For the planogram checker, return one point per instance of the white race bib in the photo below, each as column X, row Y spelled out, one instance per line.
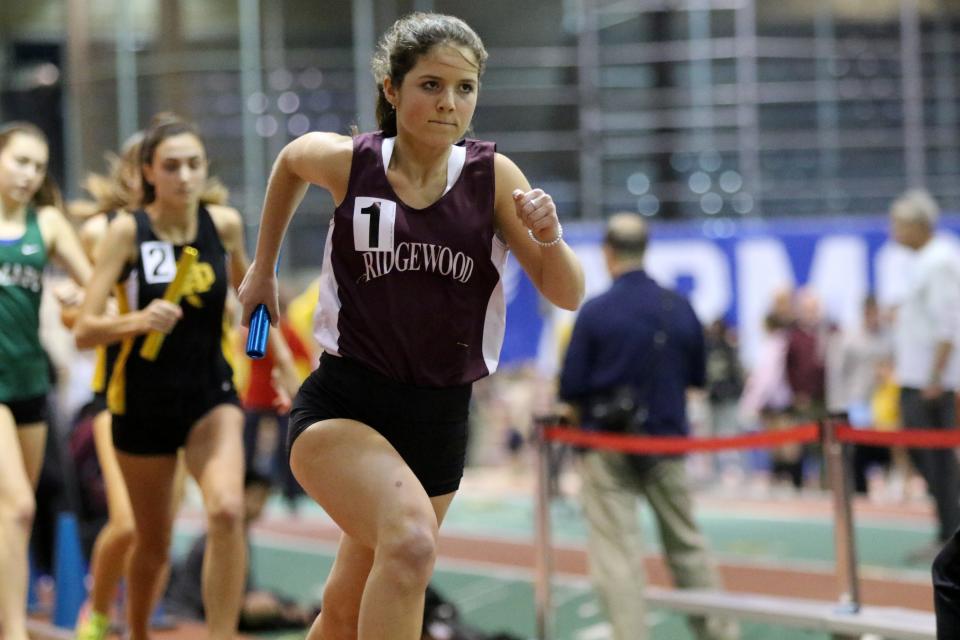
column 373, row 220
column 159, row 263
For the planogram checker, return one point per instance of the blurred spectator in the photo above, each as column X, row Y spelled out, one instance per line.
column 88, row 478
column 885, row 409
column 442, row 621
column 927, row 367
column 724, row 387
column 265, row 400
column 806, row 348
column 767, row 398
column 634, row 352
column 805, row 367
column 299, row 313
column 514, row 446
column 782, row 307
column 766, row 389
column 856, row 372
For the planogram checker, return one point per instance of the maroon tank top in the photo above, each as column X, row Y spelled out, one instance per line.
column 415, row 294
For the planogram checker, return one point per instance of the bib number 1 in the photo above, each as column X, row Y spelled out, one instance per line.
column 373, row 224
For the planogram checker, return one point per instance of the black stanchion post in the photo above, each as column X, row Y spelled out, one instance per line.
column 843, row 533
column 541, row 542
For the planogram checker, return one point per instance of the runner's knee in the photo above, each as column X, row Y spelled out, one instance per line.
column 225, row 513
column 409, row 548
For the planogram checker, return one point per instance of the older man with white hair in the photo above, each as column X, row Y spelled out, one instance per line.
column 926, row 328
column 928, row 369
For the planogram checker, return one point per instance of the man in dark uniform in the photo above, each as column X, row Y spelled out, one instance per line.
column 634, row 352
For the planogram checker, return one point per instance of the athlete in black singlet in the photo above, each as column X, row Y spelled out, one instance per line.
column 185, row 398
column 115, row 193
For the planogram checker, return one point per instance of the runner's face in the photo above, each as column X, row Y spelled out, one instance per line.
column 23, row 166
column 438, row 95
column 178, row 170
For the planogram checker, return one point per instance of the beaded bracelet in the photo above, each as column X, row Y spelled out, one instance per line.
column 553, row 242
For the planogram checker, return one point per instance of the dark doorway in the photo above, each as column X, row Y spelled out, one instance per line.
column 33, row 91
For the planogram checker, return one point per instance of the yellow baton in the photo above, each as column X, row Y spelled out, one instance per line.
column 151, row 346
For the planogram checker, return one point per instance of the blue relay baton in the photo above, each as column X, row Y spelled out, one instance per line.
column 259, row 330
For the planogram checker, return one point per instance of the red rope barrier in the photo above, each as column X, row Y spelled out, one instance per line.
column 680, row 444
column 920, row 438
column 611, row 441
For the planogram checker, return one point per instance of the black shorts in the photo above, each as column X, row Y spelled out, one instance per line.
column 165, row 418
column 28, row 410
column 427, row 426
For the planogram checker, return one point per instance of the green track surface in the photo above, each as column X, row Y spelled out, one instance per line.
column 495, row 600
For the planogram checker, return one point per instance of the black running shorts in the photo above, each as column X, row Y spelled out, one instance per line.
column 427, row 426
column 165, row 418
column 28, row 410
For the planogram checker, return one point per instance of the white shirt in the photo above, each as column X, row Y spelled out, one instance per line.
column 929, row 314
column 767, row 387
column 853, row 367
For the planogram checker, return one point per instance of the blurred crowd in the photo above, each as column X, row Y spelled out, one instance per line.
column 807, row 368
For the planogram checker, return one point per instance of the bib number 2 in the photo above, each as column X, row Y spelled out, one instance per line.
column 159, row 263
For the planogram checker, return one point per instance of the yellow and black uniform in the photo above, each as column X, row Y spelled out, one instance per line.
column 107, row 355
column 155, row 404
